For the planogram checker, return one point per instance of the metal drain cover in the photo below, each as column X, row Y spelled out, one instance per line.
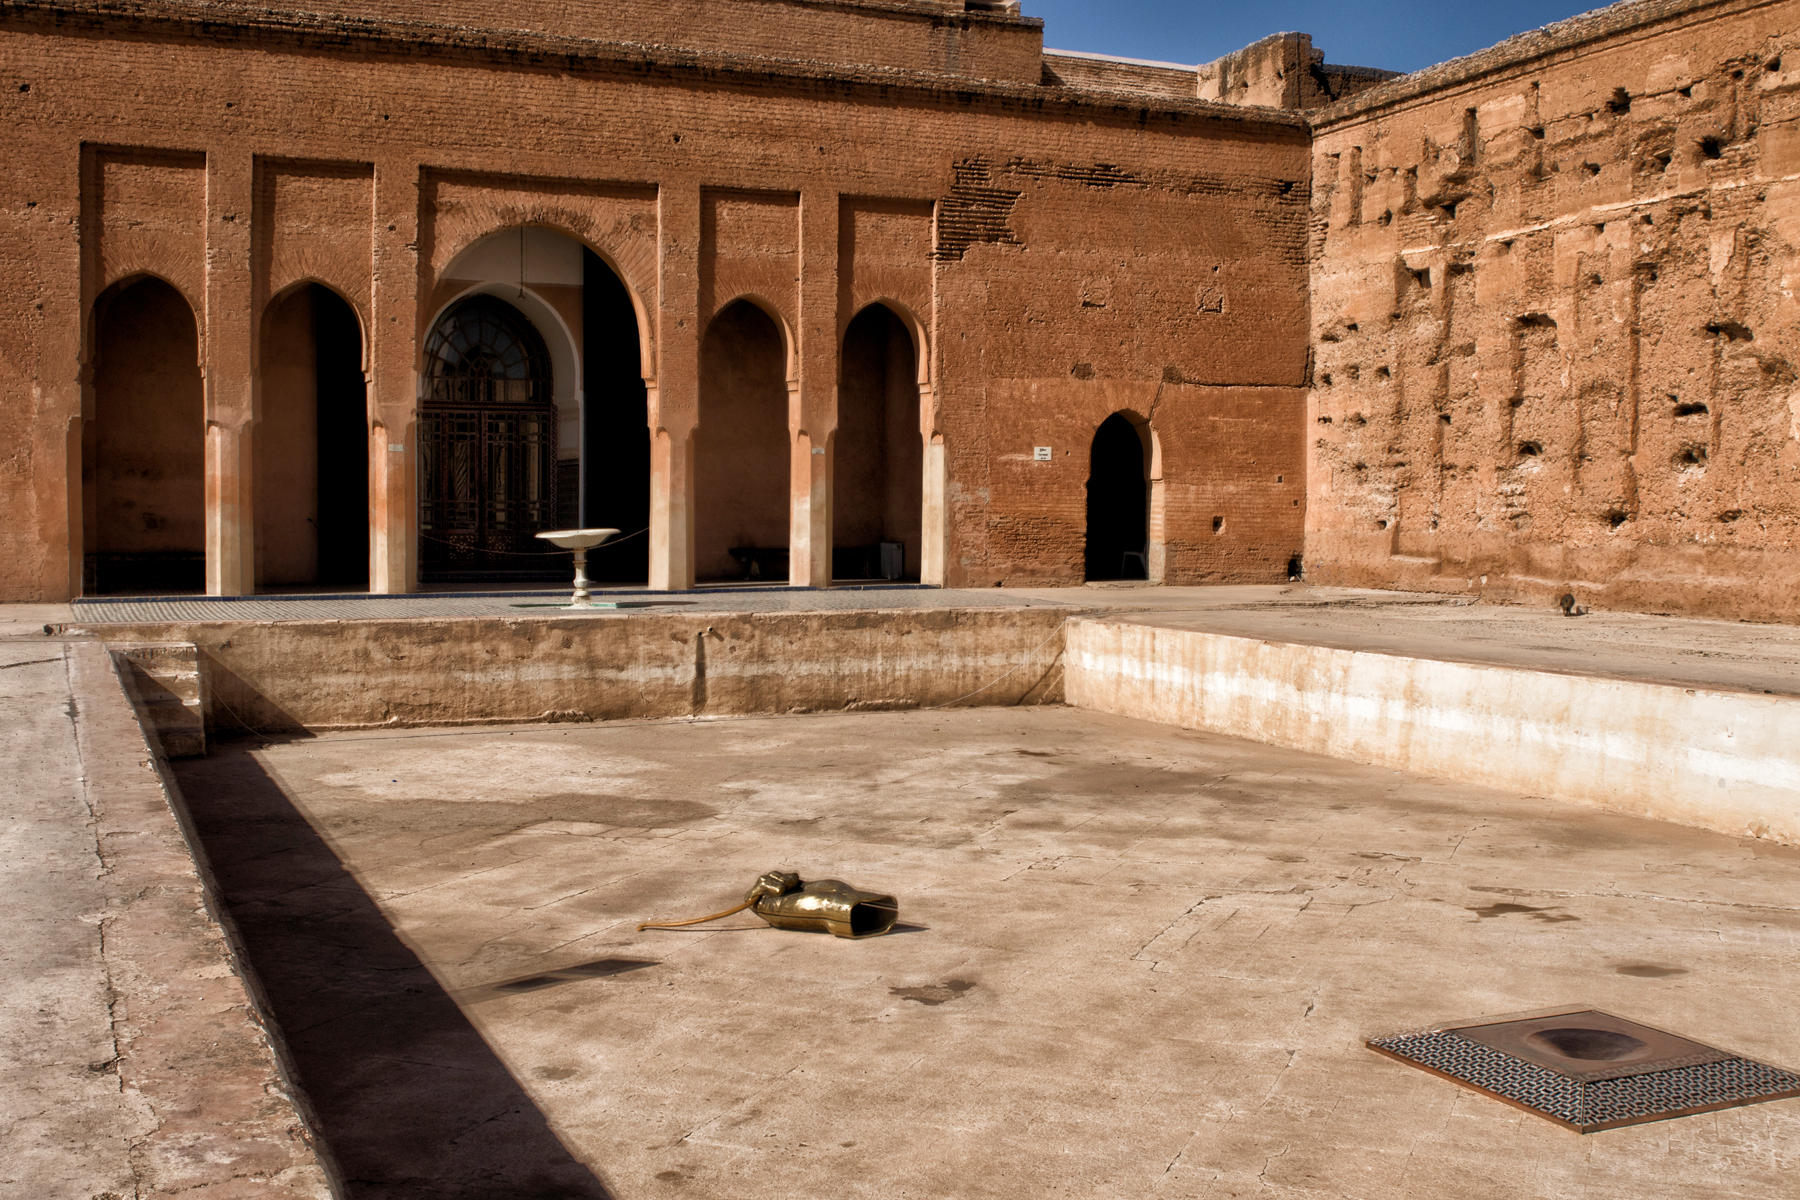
column 1588, row 1069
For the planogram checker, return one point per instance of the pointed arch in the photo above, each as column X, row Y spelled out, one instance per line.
column 311, row 445
column 741, row 447
column 878, row 451
column 144, row 442
column 1124, row 537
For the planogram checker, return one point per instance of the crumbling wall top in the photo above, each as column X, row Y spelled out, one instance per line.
column 1527, row 48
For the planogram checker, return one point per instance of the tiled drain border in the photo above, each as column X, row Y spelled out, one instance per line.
column 1663, row 1076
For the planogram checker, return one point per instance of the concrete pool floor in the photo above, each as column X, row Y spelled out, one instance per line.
column 1135, row 961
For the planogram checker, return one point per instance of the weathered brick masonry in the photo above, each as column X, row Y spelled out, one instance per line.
column 843, row 271
column 1058, row 255
column 1554, row 320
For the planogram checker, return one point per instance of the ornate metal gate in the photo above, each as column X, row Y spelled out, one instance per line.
column 487, row 443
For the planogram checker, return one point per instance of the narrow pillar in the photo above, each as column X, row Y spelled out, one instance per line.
column 934, row 491
column 812, row 399
column 228, row 367
column 671, row 505
column 393, row 381
column 673, row 396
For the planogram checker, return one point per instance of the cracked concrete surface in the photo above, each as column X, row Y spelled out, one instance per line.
column 131, row 1065
column 1132, row 961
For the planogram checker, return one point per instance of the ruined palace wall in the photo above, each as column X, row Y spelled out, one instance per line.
column 1060, row 259
column 919, row 35
column 1556, row 343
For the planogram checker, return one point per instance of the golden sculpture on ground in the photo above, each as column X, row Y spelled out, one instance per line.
column 786, row 901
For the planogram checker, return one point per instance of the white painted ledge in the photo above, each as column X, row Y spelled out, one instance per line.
column 1724, row 761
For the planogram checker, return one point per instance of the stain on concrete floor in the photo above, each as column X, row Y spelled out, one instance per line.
column 1145, row 966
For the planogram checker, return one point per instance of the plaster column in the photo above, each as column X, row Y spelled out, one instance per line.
column 393, row 380
column 933, row 495
column 228, row 366
column 673, row 396
column 812, row 405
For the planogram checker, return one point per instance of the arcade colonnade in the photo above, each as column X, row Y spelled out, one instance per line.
column 773, row 390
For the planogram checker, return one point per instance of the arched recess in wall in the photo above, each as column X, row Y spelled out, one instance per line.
column 878, row 455
column 588, row 320
column 1119, row 500
column 144, row 446
column 741, row 448
column 312, row 443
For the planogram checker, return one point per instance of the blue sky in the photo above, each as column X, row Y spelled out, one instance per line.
column 1401, row 35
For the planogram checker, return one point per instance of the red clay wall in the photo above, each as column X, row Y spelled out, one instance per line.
column 1059, row 257
column 1557, row 346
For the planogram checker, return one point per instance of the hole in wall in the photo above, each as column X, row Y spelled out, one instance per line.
column 1422, row 278
column 1386, row 217
column 1537, row 131
column 1218, row 524
column 1711, row 147
column 1732, row 331
column 1616, row 517
column 1530, row 449
column 1661, row 160
column 1773, row 65
column 1383, row 373
column 1444, row 417
column 1689, row 457
column 1689, row 408
column 1592, row 168
column 1325, row 379
column 1730, row 515
column 1619, row 101
column 1294, row 568
column 1358, row 419
column 1382, row 523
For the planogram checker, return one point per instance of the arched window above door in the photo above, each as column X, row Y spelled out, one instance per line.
column 483, row 351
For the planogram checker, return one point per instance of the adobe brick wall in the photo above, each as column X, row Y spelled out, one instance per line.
column 1061, row 254
column 1553, row 316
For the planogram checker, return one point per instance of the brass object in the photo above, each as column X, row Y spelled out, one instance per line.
column 786, row 901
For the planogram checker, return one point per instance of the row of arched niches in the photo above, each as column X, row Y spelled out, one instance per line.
column 531, row 416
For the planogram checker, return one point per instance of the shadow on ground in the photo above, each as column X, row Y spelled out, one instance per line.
column 407, row 1097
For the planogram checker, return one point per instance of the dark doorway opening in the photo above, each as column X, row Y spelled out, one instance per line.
column 878, row 455
column 144, row 449
column 615, row 451
column 312, row 444
column 1118, row 502
column 487, row 448
column 741, row 449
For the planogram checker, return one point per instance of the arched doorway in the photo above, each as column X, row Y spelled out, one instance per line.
column 579, row 306
column 615, row 428
column 741, row 448
column 145, row 447
column 1118, row 502
column 879, row 456
column 487, row 444
column 312, row 444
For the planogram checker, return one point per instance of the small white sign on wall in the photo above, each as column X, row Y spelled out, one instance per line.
column 1040, row 453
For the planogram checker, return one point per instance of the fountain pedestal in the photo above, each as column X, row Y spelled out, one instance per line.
column 580, row 541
